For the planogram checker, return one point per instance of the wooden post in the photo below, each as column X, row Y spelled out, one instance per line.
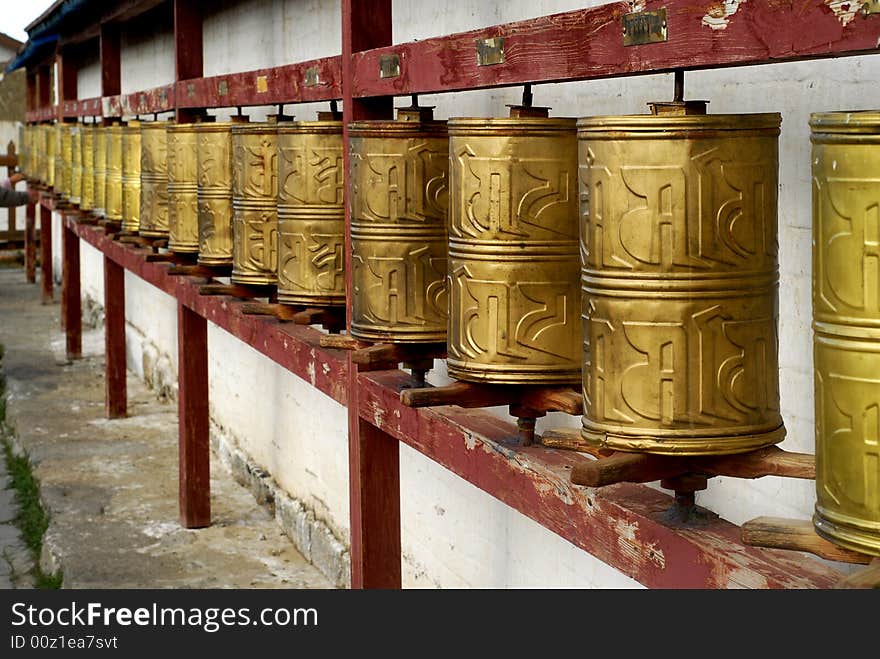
column 188, row 59
column 116, row 393
column 73, row 305
column 373, row 455
column 46, row 275
column 12, row 161
column 111, row 63
column 30, row 243
column 194, row 428
column 64, row 274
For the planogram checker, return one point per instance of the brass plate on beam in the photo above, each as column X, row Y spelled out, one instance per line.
column 222, row 88
column 190, row 90
column 644, row 27
column 389, row 66
column 262, row 84
column 871, row 7
column 490, row 51
column 312, row 77
column 163, row 98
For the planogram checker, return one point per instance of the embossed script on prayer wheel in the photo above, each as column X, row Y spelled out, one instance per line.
column 254, row 203
column 100, row 170
column 154, row 180
column 846, row 323
column 183, row 189
column 113, row 180
column 680, row 278
column 76, row 170
column 53, row 149
column 215, row 192
column 514, row 272
column 311, row 215
column 87, row 194
column 63, row 177
column 399, row 198
column 131, row 176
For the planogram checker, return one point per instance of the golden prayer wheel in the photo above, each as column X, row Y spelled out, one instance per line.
column 680, row 281
column 131, row 176
column 399, row 198
column 183, row 189
column 52, row 151
column 113, row 178
column 154, row 179
column 514, row 271
column 63, row 146
column 214, row 154
column 255, row 203
column 76, row 169
column 846, row 323
column 311, row 215
column 87, row 195
column 47, row 152
column 100, row 170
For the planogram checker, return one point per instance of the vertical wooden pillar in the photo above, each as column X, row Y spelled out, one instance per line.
column 46, row 274
column 30, row 243
column 73, row 305
column 373, row 456
column 188, row 57
column 111, row 62
column 65, row 272
column 192, row 397
column 67, row 77
column 116, row 393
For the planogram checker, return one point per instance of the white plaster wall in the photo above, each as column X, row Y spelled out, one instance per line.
column 298, row 434
column 91, row 271
column 151, row 329
column 88, row 77
column 147, row 54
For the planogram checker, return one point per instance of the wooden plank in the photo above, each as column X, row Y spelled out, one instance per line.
column 797, row 535
column 588, row 43
column 73, row 306
column 625, row 525
column 116, row 390
column 158, row 99
column 46, row 275
column 30, row 243
column 193, row 419
column 281, row 84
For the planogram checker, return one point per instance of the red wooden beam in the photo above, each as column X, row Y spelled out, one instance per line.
column 588, row 43
column 193, row 419
column 187, row 47
column 116, row 392
column 87, row 107
column 373, row 457
column 30, row 243
column 622, row 525
column 315, row 80
column 46, row 275
column 158, row 99
column 73, row 303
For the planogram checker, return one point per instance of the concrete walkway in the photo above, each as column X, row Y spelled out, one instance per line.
column 110, row 487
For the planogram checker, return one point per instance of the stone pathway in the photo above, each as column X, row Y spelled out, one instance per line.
column 15, row 559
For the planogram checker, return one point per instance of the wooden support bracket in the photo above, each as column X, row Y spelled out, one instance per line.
column 342, row 342
column 237, row 290
column 798, row 535
column 191, row 269
column 395, row 353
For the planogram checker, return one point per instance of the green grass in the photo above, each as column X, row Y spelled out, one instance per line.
column 31, row 520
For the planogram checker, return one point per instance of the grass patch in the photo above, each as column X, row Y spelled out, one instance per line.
column 31, row 520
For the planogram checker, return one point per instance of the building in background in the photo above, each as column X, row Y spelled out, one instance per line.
column 13, row 87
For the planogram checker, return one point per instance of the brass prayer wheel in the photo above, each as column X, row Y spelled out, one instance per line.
column 154, row 179
column 311, row 215
column 183, row 189
column 76, row 170
column 100, row 169
column 680, row 281
column 255, row 203
column 514, row 272
column 113, row 179
column 214, row 154
column 87, row 195
column 63, row 145
column 131, row 176
column 52, row 151
column 399, row 198
column 846, row 324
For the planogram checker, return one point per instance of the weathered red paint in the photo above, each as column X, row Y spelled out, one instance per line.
column 73, row 302
column 89, row 107
column 280, row 84
column 46, row 276
column 188, row 56
column 116, row 390
column 30, row 243
column 588, row 43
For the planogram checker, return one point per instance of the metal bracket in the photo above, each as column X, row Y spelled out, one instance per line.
column 312, row 78
column 262, row 84
column 644, row 27
column 490, row 51
column 222, row 88
column 389, row 66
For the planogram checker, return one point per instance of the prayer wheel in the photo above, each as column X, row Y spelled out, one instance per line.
column 214, row 154
column 846, row 324
column 87, row 186
column 311, row 214
column 183, row 189
column 399, row 199
column 131, row 176
column 680, row 280
column 100, row 169
column 154, row 180
column 514, row 271
column 113, row 179
column 76, row 169
column 255, row 203
column 52, row 151
column 63, row 145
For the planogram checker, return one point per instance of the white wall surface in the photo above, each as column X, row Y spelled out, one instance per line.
column 453, row 534
column 147, row 54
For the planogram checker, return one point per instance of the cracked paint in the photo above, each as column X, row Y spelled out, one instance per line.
column 638, row 5
column 845, row 10
column 310, row 369
column 718, row 16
